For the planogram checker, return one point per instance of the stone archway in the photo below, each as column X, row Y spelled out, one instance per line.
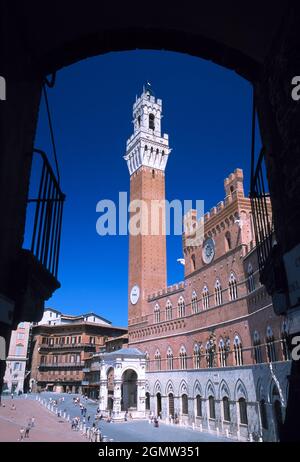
column 129, row 390
column 158, row 404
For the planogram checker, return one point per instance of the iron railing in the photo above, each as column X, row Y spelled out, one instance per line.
column 45, row 243
column 261, row 212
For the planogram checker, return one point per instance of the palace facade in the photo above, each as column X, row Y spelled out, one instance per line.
column 215, row 353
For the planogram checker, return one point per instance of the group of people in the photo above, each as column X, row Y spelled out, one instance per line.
column 153, row 419
column 24, row 431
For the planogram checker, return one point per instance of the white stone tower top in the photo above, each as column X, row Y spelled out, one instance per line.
column 146, row 147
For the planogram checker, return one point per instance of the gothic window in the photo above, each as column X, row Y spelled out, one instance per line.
column 193, row 262
column 205, row 298
column 168, row 311
column 195, row 306
column 226, row 409
column 147, row 401
column 284, row 343
column 170, row 359
column 232, row 287
column 263, row 414
column 198, row 406
column 197, row 356
column 157, row 358
column 218, row 293
column 227, row 241
column 238, row 351
column 181, row 307
column 243, row 411
column 184, row 404
column 212, row 407
column 251, row 280
column 223, row 353
column 139, row 120
column 147, row 359
column 183, row 358
column 257, row 348
column 271, row 349
column 156, row 313
column 151, row 121
column 210, row 354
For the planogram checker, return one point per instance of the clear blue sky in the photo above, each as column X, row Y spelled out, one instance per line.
column 207, row 114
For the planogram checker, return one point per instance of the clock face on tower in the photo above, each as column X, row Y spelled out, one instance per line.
column 208, row 251
column 134, row 294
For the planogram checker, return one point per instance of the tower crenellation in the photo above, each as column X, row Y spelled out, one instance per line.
column 147, row 146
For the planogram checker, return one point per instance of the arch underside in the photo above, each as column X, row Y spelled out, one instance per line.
column 236, row 35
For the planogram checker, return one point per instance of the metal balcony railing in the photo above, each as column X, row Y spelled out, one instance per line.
column 261, row 212
column 45, row 243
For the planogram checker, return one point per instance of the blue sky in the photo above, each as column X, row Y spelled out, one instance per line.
column 207, row 114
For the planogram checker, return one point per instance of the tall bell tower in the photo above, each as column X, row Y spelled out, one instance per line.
column 147, row 153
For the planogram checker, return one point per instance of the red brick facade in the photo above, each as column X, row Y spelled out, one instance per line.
column 212, row 317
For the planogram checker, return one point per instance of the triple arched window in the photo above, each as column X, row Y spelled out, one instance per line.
column 168, row 311
column 218, row 293
column 233, row 294
column 195, row 306
column 238, row 351
column 257, row 348
column 251, row 280
column 156, row 313
column 271, row 349
column 183, row 358
column 157, row 358
column 197, row 356
column 205, row 298
column 181, row 307
column 170, row 359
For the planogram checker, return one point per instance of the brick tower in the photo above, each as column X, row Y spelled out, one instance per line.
column 147, row 154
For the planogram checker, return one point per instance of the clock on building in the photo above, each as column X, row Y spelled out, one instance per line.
column 208, row 251
column 134, row 294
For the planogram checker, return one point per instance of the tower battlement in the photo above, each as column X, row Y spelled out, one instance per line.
column 147, row 146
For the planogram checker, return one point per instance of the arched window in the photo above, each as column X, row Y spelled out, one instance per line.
column 238, row 352
column 197, row 356
column 223, row 347
column 139, row 120
column 232, row 287
column 251, row 280
column 227, row 241
column 183, row 358
column 181, row 307
column 198, row 406
column 156, row 313
column 218, row 293
column 168, row 311
column 257, row 348
column 184, row 404
column 243, row 411
column 210, row 354
column 284, row 342
column 212, row 407
column 170, row 359
column 147, row 401
column 226, row 409
column 151, row 121
column 271, row 349
column 205, row 298
column 147, row 360
column 263, row 414
column 195, row 307
column 157, row 358
column 193, row 262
